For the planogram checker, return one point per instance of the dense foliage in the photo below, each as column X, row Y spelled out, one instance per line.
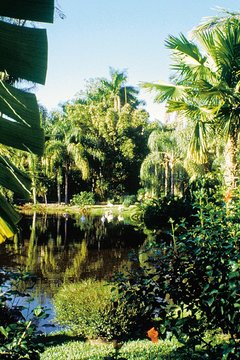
column 18, row 323
column 191, row 284
column 92, row 314
column 204, row 88
column 84, row 198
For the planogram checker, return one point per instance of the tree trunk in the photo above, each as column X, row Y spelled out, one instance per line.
column 59, row 192
column 166, row 178
column 59, row 183
column 172, row 178
column 125, row 95
column 231, row 165
column 34, row 192
column 66, row 185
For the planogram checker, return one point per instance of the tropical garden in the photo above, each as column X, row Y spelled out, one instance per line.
column 177, row 181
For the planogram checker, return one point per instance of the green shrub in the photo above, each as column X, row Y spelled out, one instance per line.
column 123, row 323
column 129, row 200
column 87, row 308
column 192, row 284
column 82, row 199
column 157, row 213
column 80, row 306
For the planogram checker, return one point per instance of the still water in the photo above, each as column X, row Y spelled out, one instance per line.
column 62, row 249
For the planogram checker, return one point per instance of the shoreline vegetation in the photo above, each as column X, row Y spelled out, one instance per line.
column 92, row 210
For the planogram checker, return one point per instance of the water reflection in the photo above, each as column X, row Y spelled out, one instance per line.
column 60, row 249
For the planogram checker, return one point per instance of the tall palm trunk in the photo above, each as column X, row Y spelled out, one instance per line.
column 59, row 183
column 166, row 185
column 34, row 192
column 172, row 178
column 59, row 192
column 33, row 175
column 66, row 184
column 231, row 164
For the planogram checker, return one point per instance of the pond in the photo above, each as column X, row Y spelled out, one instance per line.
column 62, row 249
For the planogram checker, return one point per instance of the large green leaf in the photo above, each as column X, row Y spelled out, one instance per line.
column 186, row 49
column 166, row 91
column 35, row 10
column 23, row 52
column 8, row 214
column 21, row 137
column 13, row 178
column 19, row 105
column 23, row 56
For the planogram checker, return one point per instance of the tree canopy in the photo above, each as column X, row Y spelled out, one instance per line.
column 205, row 88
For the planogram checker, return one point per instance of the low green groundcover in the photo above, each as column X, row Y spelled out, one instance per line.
column 134, row 350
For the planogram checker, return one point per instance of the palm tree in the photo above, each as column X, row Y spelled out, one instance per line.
column 205, row 88
column 114, row 92
column 163, row 167
column 24, row 57
column 52, row 162
column 64, row 151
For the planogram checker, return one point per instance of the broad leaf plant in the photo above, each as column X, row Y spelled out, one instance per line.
column 23, row 57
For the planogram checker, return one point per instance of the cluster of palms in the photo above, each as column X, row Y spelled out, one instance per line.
column 205, row 88
column 96, row 142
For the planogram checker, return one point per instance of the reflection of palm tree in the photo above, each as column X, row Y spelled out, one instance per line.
column 75, row 269
column 32, row 256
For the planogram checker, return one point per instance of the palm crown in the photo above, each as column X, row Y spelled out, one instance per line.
column 205, row 86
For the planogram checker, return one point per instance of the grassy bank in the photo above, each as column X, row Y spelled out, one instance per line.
column 93, row 210
column 132, row 350
column 69, row 348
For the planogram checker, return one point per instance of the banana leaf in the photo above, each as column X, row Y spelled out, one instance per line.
column 21, row 137
column 13, row 178
column 19, row 105
column 34, row 10
column 23, row 56
column 23, row 52
column 5, row 231
column 9, row 215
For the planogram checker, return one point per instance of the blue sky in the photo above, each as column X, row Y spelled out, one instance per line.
column 126, row 34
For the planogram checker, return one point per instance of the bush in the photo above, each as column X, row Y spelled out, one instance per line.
column 157, row 213
column 80, row 306
column 87, row 308
column 82, row 199
column 191, row 284
column 129, row 200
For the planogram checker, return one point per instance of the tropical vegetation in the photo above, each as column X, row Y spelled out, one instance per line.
column 24, row 58
column 205, row 89
column 182, row 284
